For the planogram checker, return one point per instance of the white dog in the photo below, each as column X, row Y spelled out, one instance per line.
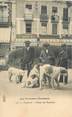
column 17, row 73
column 33, row 78
column 52, row 72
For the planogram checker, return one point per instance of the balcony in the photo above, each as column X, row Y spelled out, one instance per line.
column 4, row 22
column 28, row 16
column 26, row 36
column 54, row 18
column 43, row 18
column 49, row 36
column 66, row 36
column 21, row 38
column 66, row 20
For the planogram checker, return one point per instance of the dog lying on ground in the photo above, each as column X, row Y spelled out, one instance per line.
column 53, row 74
column 33, row 79
column 17, row 73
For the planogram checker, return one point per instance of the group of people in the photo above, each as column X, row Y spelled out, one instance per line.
column 44, row 69
column 44, row 58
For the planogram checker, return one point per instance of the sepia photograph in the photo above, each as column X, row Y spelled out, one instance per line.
column 35, row 58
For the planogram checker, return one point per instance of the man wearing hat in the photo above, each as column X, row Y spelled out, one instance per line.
column 28, row 54
column 45, row 55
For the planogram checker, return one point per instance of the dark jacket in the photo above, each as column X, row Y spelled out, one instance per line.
column 46, row 56
column 63, row 58
column 28, row 55
column 27, row 58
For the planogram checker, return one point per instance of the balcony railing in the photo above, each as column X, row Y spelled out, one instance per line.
column 66, row 36
column 44, row 18
column 66, row 20
column 54, row 19
column 26, row 36
column 28, row 16
column 49, row 36
column 4, row 22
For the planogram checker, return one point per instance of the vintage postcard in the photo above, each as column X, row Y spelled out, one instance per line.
column 35, row 58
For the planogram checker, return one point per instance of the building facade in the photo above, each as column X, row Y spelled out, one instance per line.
column 7, row 25
column 40, row 21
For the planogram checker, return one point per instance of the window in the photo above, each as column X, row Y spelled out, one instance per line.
column 43, row 9
column 44, row 27
column 3, row 14
column 44, row 24
column 28, row 27
column 54, row 9
column 65, row 13
column 65, row 25
column 29, row 6
column 53, row 17
column 54, row 28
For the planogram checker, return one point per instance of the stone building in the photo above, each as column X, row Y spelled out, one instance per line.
column 40, row 21
column 7, row 25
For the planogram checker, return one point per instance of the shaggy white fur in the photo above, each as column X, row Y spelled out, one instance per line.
column 51, row 71
column 15, row 72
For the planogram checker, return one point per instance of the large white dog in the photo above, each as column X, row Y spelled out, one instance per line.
column 52, row 72
column 39, row 72
column 17, row 73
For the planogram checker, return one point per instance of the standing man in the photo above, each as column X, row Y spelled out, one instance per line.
column 28, row 55
column 46, row 55
column 63, row 62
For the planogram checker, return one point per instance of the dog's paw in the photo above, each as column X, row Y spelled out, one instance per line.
column 23, row 85
column 58, row 87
